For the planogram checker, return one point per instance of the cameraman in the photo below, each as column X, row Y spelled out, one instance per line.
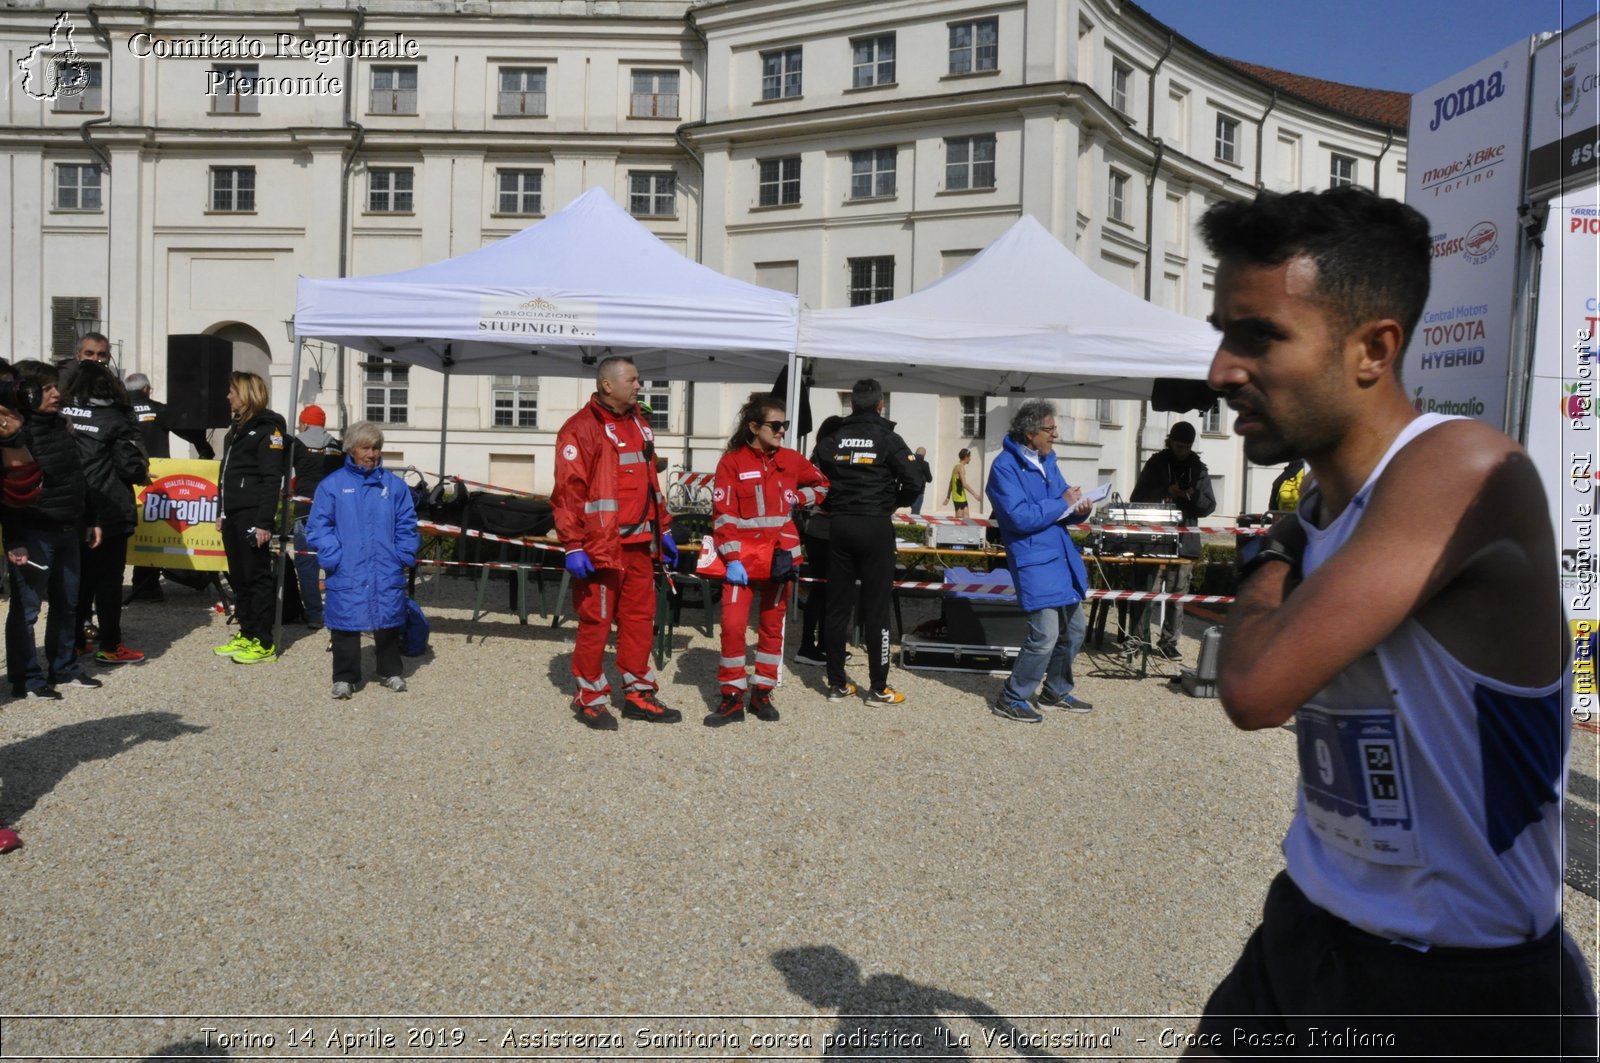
column 42, row 548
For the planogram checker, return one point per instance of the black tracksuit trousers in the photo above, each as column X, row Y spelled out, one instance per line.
column 860, row 548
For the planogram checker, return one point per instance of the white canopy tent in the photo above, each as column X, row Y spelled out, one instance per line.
column 1024, row 316
column 543, row 301
column 553, row 300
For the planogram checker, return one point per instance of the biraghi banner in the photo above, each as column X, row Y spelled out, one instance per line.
column 177, row 517
column 1464, row 172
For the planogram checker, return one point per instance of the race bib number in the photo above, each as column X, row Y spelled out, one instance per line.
column 1353, row 775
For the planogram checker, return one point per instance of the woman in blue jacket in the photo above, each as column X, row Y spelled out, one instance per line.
column 363, row 527
column 1032, row 504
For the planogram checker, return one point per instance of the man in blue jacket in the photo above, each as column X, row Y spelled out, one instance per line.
column 1033, row 505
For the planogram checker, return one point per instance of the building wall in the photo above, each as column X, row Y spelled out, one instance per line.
column 1077, row 89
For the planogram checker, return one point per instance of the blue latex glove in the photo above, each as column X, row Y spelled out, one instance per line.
column 669, row 549
column 737, row 575
column 579, row 565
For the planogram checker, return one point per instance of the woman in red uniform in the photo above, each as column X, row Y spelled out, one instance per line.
column 758, row 485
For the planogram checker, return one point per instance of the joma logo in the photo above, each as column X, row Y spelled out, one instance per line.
column 1472, row 95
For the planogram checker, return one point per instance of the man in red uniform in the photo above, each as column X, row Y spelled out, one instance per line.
column 612, row 519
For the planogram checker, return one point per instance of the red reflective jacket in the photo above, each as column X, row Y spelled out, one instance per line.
column 598, row 453
column 753, row 497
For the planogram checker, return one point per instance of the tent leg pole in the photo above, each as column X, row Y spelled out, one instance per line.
column 444, row 422
column 286, row 504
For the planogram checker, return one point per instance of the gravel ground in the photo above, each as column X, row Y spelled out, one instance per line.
column 204, row 839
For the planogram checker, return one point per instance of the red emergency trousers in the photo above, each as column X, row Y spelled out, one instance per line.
column 627, row 597
column 753, row 498
column 607, row 503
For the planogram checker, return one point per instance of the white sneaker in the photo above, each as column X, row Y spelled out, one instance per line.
column 395, row 683
column 342, row 691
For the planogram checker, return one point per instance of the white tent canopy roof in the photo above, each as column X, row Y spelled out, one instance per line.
column 1024, row 316
column 554, row 298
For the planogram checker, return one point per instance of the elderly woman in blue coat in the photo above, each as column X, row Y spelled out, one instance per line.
column 1032, row 503
column 363, row 527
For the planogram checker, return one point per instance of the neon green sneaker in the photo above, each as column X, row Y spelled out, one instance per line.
column 255, row 653
column 232, row 646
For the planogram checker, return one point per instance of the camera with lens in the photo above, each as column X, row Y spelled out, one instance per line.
column 20, row 396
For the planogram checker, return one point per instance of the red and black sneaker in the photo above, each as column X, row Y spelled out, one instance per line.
column 642, row 705
column 596, row 716
column 729, row 710
column 761, row 706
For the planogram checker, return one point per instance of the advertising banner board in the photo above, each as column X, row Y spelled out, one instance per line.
column 1564, row 112
column 177, row 515
column 1464, row 172
column 1561, row 421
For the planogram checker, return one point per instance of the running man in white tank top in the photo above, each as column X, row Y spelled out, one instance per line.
column 1408, row 621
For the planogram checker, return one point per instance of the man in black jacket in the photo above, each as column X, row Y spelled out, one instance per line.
column 42, row 548
column 316, row 454
column 869, row 471
column 155, row 423
column 1176, row 476
column 919, row 462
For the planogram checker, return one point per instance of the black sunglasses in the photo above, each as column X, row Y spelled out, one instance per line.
column 776, row 426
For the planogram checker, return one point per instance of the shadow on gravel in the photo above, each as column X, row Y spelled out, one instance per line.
column 887, row 1016
column 492, row 625
column 186, row 1050
column 31, row 768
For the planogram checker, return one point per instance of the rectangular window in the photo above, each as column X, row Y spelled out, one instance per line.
column 871, row 280
column 1121, row 79
column 974, row 417
column 522, row 91
column 1341, row 171
column 969, row 162
column 516, row 401
column 70, row 317
column 394, row 90
column 389, row 190
column 872, row 173
column 231, row 88
column 1227, row 139
column 872, row 61
column 653, row 195
column 974, row 46
column 1211, row 421
column 520, row 191
column 387, row 387
column 78, row 186
column 655, row 94
column 657, row 395
column 1103, row 411
column 233, row 188
column 780, row 74
column 1117, row 196
column 779, row 182
column 78, row 90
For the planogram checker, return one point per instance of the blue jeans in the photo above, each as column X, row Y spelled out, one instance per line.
column 57, row 584
column 916, row 503
column 310, row 574
column 1054, row 637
